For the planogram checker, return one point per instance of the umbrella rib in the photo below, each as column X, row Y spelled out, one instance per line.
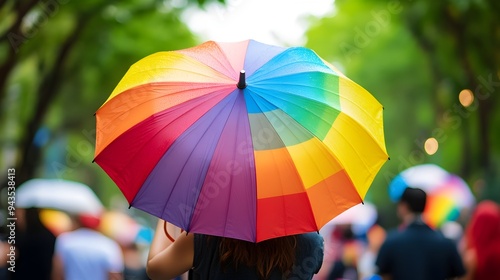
column 159, row 131
column 314, row 113
column 231, row 70
column 189, row 61
column 146, row 143
column 258, row 84
column 231, row 178
column 210, row 78
column 198, row 197
column 258, row 71
column 282, row 142
column 286, row 101
column 171, row 69
column 361, row 108
column 330, row 153
column 330, row 191
column 203, row 181
column 110, row 122
column 357, row 153
column 222, row 62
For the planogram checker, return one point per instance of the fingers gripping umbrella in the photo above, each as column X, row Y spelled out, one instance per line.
column 242, row 140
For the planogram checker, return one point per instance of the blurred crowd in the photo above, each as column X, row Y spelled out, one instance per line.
column 353, row 255
column 55, row 245
column 51, row 244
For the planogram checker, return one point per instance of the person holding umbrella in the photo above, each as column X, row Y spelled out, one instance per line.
column 211, row 257
column 248, row 147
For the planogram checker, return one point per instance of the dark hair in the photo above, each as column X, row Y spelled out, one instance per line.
column 415, row 199
column 264, row 256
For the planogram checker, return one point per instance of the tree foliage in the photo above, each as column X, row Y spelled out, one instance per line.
column 59, row 61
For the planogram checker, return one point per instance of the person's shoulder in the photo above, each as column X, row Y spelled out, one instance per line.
column 68, row 235
column 310, row 250
column 310, row 244
column 445, row 240
column 312, row 238
column 205, row 240
column 62, row 238
column 394, row 234
column 203, row 244
column 398, row 236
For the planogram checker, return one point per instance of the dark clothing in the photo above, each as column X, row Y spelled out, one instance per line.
column 308, row 260
column 135, row 273
column 35, row 249
column 342, row 271
column 419, row 253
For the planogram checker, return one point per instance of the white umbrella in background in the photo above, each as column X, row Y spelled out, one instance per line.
column 69, row 196
column 361, row 217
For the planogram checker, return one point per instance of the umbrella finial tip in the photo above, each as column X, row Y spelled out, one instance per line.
column 241, row 82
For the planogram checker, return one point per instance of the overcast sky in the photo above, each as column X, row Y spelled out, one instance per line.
column 279, row 22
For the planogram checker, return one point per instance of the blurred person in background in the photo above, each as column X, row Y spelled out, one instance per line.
column 332, row 249
column 482, row 243
column 134, row 265
column 87, row 254
column 34, row 246
column 350, row 250
column 415, row 251
column 375, row 236
column 132, row 238
column 453, row 231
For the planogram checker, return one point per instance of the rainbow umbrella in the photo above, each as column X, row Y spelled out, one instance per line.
column 242, row 140
column 447, row 194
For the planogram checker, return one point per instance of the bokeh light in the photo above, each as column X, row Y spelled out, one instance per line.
column 466, row 97
column 431, row 146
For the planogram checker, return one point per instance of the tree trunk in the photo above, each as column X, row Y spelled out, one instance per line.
column 47, row 91
column 15, row 37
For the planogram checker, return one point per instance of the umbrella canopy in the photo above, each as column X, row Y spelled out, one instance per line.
column 242, row 140
column 71, row 197
column 447, row 194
